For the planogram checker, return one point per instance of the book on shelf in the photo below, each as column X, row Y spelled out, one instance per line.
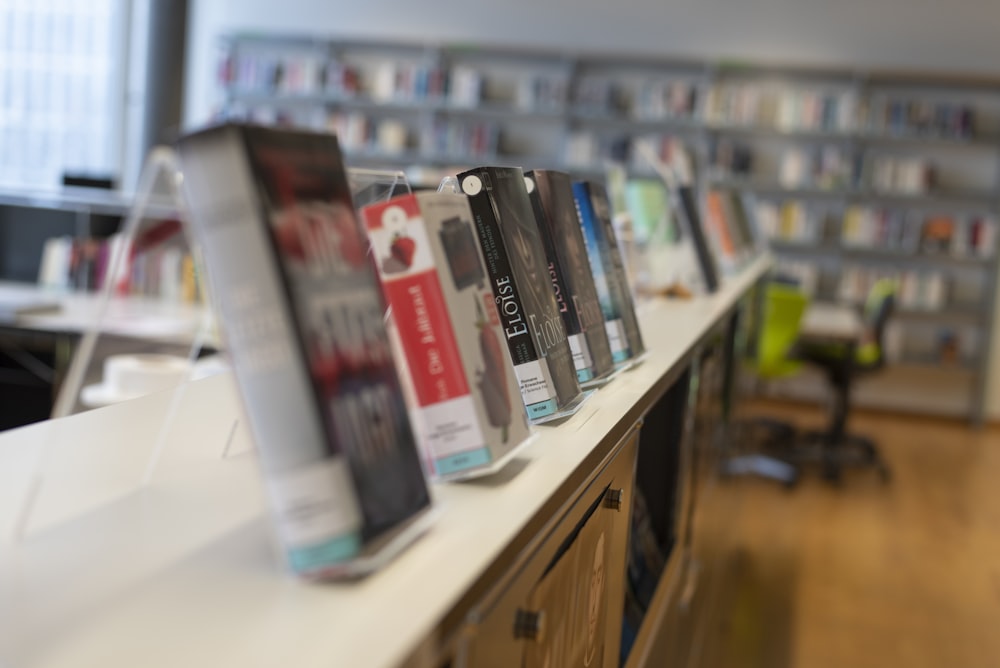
column 551, row 194
column 910, row 117
column 803, row 274
column 541, row 92
column 695, row 229
column 464, row 395
column 610, row 279
column 937, row 234
column 409, row 82
column 720, row 232
column 729, row 159
column 517, row 269
column 468, row 139
column 783, row 108
column 304, row 327
column 466, row 87
column 665, row 100
column 598, row 96
column 152, row 265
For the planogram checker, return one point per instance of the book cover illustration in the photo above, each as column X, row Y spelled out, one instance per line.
column 303, row 318
column 517, row 268
column 465, row 408
column 609, row 274
column 551, row 195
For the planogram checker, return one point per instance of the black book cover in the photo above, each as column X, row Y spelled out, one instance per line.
column 517, row 267
column 615, row 266
column 551, row 195
column 303, row 317
column 706, row 260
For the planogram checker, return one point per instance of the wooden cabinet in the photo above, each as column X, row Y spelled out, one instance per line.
column 562, row 604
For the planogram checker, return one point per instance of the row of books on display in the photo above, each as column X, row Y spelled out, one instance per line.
column 784, row 108
column 160, row 270
column 766, row 105
column 830, row 167
column 462, row 86
column 386, row 81
column 365, row 134
column 509, row 303
column 878, row 228
column 669, row 238
column 830, row 110
column 584, row 149
column 972, row 236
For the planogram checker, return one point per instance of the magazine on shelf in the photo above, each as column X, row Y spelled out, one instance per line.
column 303, row 320
column 551, row 195
column 518, row 271
column 464, row 396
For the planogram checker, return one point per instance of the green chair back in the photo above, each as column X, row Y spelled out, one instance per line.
column 878, row 308
column 781, row 320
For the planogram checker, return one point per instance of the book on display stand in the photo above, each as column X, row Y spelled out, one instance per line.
column 613, row 290
column 551, row 195
column 463, row 395
column 683, row 199
column 517, row 269
column 304, row 317
column 322, row 532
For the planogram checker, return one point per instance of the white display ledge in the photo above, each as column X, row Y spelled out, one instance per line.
column 182, row 571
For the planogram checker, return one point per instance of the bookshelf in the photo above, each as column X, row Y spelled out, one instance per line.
column 858, row 174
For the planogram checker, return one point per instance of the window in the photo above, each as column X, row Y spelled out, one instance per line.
column 61, row 89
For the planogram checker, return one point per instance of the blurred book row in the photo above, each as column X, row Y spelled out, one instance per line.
column 164, row 271
column 879, row 228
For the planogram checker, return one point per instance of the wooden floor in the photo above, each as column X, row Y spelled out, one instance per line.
column 904, row 575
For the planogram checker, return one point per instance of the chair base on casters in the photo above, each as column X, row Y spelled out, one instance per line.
column 846, row 451
column 760, row 435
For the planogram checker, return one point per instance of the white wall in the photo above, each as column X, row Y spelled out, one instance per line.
column 956, row 35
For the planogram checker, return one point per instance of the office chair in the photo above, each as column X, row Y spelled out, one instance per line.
column 834, row 447
column 765, row 443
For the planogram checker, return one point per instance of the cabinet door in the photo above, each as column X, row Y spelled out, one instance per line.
column 563, row 605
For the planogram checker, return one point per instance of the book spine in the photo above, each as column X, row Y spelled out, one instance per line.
column 572, row 252
column 609, row 307
column 313, row 499
column 618, row 280
column 535, row 380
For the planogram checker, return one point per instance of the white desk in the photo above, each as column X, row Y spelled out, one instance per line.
column 134, row 317
column 181, row 571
